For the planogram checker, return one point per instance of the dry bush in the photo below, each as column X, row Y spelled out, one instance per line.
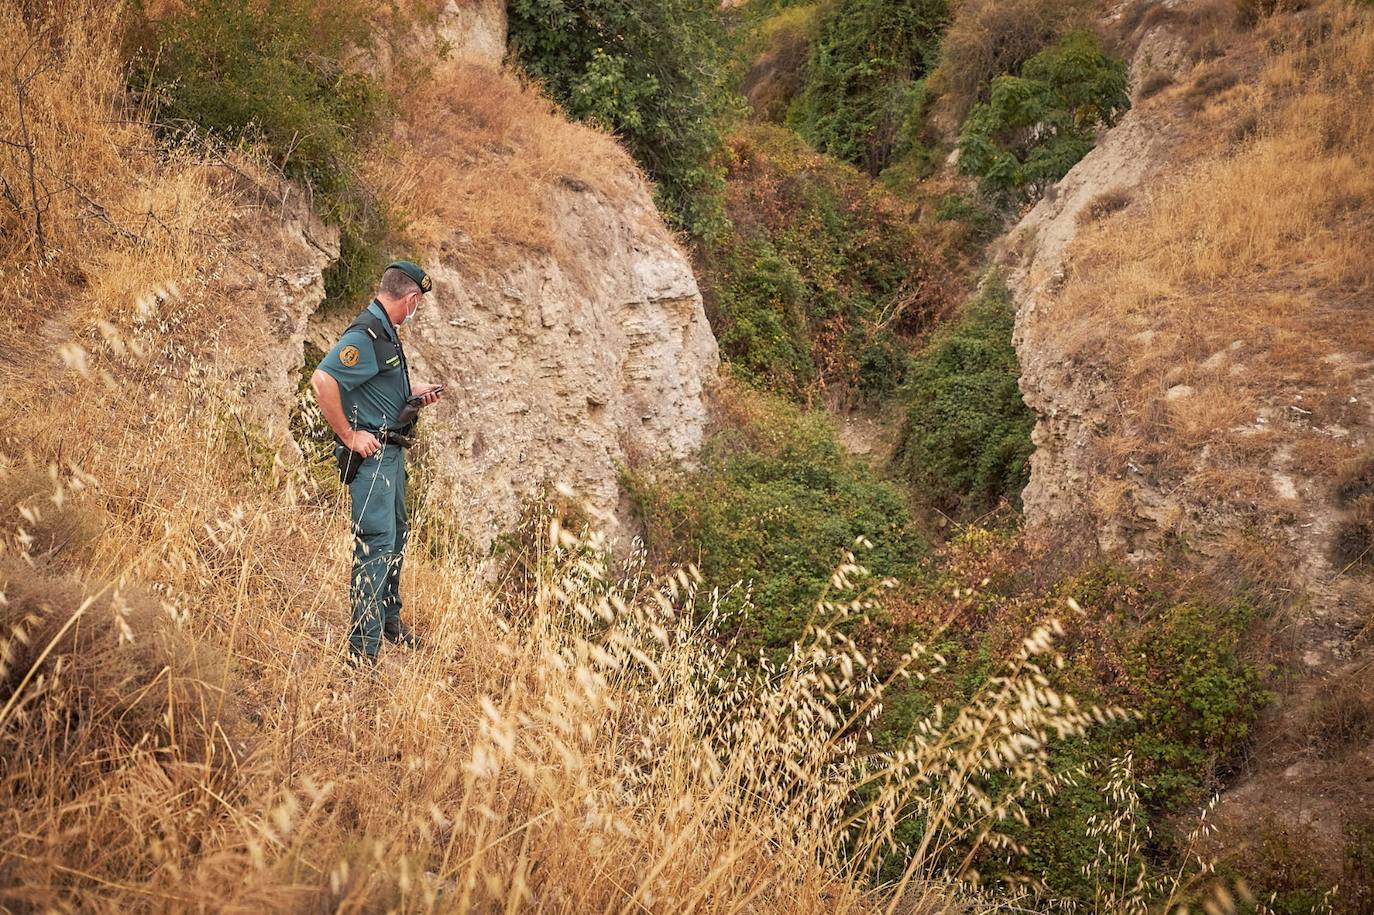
column 1242, row 279
column 1106, row 203
column 1154, row 84
column 778, row 71
column 1342, row 714
column 480, row 158
column 1210, row 84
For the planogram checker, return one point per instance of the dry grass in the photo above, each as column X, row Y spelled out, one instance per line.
column 179, row 730
column 1236, row 320
column 479, row 160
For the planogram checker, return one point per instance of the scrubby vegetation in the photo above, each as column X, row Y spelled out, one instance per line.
column 284, row 77
column 821, row 277
column 654, row 73
column 774, row 505
column 1181, row 665
column 863, row 91
column 965, row 444
column 989, row 38
column 775, row 55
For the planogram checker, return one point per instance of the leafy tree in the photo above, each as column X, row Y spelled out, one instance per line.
column 966, row 440
column 654, row 72
column 864, row 77
column 1036, row 126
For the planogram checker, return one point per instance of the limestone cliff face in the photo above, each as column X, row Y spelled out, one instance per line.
column 475, row 29
column 285, row 276
column 1170, row 426
column 1074, row 389
column 563, row 369
column 1072, row 396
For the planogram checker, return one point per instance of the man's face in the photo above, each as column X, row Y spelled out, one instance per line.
column 412, row 305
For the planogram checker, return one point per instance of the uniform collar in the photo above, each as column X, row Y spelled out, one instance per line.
column 377, row 309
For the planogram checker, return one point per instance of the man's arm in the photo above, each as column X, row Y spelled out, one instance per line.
column 326, row 388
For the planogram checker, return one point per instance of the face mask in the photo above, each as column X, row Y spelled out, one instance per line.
column 410, row 312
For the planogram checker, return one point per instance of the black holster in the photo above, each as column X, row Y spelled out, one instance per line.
column 349, row 462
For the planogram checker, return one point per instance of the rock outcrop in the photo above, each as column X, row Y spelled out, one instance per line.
column 564, row 371
column 474, row 29
column 1071, row 399
column 1218, row 416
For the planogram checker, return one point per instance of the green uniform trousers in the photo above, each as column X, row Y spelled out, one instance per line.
column 380, row 529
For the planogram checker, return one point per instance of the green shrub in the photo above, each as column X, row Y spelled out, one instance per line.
column 965, row 444
column 277, row 75
column 654, row 72
column 775, row 504
column 820, row 276
column 863, row 79
column 774, row 56
column 1199, row 697
column 1181, row 664
column 1036, row 126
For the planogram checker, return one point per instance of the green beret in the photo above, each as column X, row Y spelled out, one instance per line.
column 413, row 270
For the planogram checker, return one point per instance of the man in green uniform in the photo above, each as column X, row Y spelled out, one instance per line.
column 362, row 386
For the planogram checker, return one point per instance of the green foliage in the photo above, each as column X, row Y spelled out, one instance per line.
column 775, row 504
column 276, row 75
column 1036, row 126
column 863, row 90
column 965, row 444
column 1199, row 698
column 1181, row 664
column 654, row 72
column 820, row 276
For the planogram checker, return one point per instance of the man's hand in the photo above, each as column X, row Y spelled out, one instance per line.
column 362, row 442
column 428, row 393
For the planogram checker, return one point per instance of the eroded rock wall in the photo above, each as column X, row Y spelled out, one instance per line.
column 564, row 370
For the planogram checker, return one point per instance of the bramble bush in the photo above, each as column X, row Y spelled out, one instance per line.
column 820, row 276
column 1180, row 664
column 987, row 38
column 1036, row 126
column 965, row 444
column 277, row 76
column 863, row 78
column 656, row 73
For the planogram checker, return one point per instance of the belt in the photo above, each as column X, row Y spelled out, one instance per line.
column 396, row 437
column 403, row 437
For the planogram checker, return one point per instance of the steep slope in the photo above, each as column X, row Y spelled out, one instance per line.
column 1195, row 339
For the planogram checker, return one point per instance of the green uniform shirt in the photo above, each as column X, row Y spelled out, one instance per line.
column 372, row 394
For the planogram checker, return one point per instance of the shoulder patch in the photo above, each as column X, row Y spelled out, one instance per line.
column 349, row 356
